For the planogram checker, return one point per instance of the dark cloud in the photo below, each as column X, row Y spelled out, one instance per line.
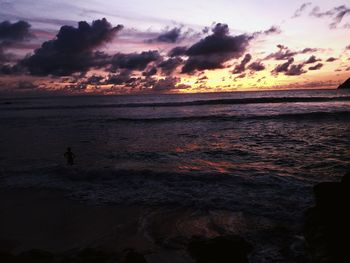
column 169, row 36
column 72, row 50
column 289, row 69
column 11, row 35
column 17, row 31
column 285, row 53
column 169, row 65
column 336, row 14
column 308, row 50
column 274, row 30
column 10, row 69
column 312, row 59
column 241, row 76
column 94, row 80
column 123, row 78
column 212, row 51
column 241, row 67
column 3, row 56
column 134, row 61
column 166, row 84
column 150, row 72
column 26, row 85
column 177, row 51
column 283, row 67
column 221, row 29
column 282, row 54
column 301, row 9
column 316, row 67
column 295, row 70
column 331, row 59
column 256, row 66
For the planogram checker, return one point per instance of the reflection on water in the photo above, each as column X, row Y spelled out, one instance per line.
column 246, row 169
column 302, row 141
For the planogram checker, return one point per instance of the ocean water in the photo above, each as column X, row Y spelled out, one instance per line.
column 252, row 153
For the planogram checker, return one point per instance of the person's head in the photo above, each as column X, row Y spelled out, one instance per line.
column 68, row 149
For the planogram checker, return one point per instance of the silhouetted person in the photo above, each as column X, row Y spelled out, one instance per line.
column 69, row 155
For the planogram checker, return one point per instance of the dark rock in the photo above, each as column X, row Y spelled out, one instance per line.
column 224, row 249
column 175, row 243
column 131, row 256
column 345, row 85
column 346, row 180
column 326, row 226
column 35, row 256
column 328, row 194
column 7, row 258
column 87, row 255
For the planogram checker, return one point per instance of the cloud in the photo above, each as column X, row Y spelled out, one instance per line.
column 134, row 61
column 241, row 76
column 295, row 70
column 215, row 49
column 123, row 78
column 3, row 56
column 166, row 84
column 12, row 34
column 10, row 69
column 177, row 51
column 152, row 71
column 26, row 85
column 312, row 59
column 316, row 67
column 221, row 29
column 301, row 9
column 169, row 36
column 17, row 31
column 241, row 67
column 283, row 67
column 336, row 14
column 256, row 66
column 169, row 65
column 94, row 80
column 331, row 59
column 285, row 53
column 72, row 50
column 274, row 30
column 289, row 69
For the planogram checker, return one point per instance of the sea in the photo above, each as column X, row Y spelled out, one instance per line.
column 248, row 157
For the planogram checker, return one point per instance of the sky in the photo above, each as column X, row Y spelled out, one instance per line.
column 130, row 47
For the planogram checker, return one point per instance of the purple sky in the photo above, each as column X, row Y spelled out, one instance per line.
column 226, row 45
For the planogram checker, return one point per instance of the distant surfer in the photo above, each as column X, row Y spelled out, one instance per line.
column 69, row 155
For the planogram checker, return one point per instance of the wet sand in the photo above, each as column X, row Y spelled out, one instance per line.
column 48, row 220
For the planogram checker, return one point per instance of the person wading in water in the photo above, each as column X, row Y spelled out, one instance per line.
column 69, row 155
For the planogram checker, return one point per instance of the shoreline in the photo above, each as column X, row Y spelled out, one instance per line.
column 49, row 220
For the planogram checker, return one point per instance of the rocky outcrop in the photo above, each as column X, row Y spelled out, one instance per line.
column 327, row 224
column 87, row 255
column 345, row 85
column 224, row 249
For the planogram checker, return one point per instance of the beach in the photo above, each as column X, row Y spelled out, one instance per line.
column 150, row 176
column 47, row 220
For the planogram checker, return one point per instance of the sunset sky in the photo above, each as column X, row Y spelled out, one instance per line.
column 155, row 46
